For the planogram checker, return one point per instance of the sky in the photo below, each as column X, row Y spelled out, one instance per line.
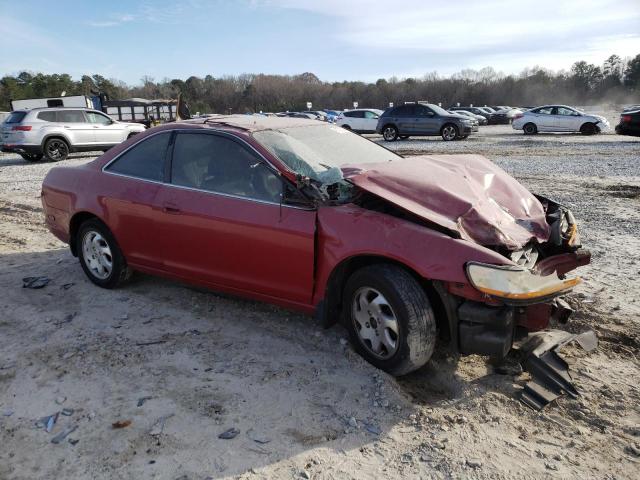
column 335, row 39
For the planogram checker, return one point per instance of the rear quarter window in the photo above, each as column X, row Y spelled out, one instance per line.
column 15, row 117
column 144, row 160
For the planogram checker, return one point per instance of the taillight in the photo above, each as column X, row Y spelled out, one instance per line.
column 625, row 118
column 518, row 115
column 21, row 128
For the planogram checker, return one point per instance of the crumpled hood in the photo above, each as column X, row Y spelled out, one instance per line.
column 467, row 194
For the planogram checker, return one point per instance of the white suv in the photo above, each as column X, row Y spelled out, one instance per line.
column 55, row 132
column 361, row 120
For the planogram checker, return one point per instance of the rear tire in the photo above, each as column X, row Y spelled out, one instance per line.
column 346, row 127
column 100, row 256
column 56, row 149
column 389, row 318
column 530, row 129
column 32, row 157
column 390, row 133
column 588, row 129
column 449, row 132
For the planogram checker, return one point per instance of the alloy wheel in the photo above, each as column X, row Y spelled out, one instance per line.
column 449, row 132
column 389, row 134
column 375, row 322
column 97, row 255
column 57, row 150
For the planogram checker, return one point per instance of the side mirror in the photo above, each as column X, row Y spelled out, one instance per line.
column 376, row 117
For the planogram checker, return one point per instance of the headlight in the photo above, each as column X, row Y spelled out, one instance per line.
column 516, row 285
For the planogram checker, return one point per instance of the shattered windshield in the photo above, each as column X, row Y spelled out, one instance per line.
column 318, row 151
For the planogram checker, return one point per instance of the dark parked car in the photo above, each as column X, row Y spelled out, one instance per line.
column 423, row 120
column 309, row 216
column 476, row 111
column 479, row 118
column 629, row 122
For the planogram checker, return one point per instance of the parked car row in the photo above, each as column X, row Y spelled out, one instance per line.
column 53, row 133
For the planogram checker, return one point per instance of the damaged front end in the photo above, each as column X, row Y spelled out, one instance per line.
column 512, row 306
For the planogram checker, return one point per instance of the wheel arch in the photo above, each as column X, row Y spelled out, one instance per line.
column 58, row 135
column 331, row 308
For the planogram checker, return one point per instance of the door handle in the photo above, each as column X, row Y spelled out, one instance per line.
column 171, row 208
column 96, row 126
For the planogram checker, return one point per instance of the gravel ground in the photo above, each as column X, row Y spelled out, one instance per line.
column 306, row 406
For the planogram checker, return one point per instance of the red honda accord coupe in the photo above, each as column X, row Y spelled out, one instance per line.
column 403, row 251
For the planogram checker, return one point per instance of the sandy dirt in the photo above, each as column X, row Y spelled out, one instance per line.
column 305, row 405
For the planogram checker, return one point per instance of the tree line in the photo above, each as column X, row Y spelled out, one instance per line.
column 616, row 81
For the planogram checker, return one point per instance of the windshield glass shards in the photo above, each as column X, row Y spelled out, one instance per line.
column 319, row 151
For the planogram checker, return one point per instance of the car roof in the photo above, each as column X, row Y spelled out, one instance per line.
column 252, row 123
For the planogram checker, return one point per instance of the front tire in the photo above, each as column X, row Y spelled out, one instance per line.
column 588, row 129
column 449, row 132
column 530, row 129
column 100, row 255
column 32, row 157
column 56, row 149
column 389, row 318
column 390, row 133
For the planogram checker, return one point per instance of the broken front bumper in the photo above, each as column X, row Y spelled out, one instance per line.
column 550, row 376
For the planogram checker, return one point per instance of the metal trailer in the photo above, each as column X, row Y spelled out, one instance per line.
column 141, row 110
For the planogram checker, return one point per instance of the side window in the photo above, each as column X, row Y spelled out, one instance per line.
column 422, row 111
column 98, row 118
column 370, row 115
column 565, row 111
column 543, row 111
column 47, row 116
column 403, row 111
column 71, row 116
column 221, row 165
column 145, row 160
column 357, row 114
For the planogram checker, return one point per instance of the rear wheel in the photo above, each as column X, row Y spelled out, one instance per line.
column 588, row 129
column 449, row 132
column 390, row 133
column 56, row 149
column 530, row 129
column 389, row 318
column 100, row 256
column 31, row 157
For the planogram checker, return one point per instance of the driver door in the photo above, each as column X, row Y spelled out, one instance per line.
column 223, row 221
column 427, row 122
column 566, row 119
column 105, row 130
